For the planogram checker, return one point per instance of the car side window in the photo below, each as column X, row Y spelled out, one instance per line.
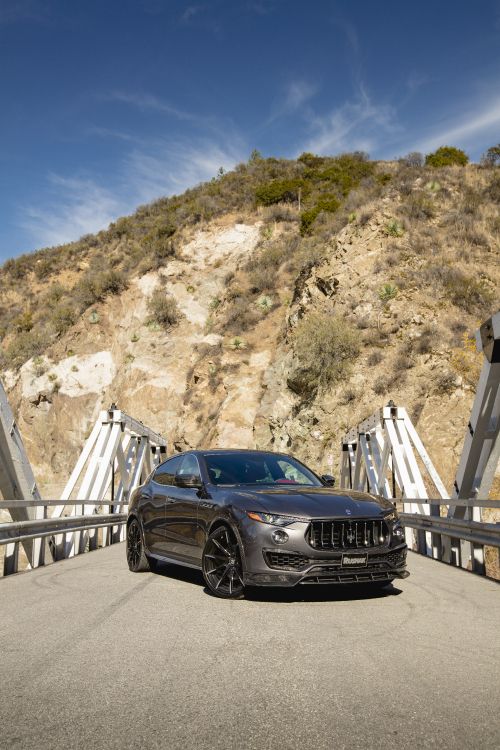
column 292, row 473
column 189, row 465
column 165, row 473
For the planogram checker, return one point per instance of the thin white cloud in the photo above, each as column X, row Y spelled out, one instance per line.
column 148, row 102
column 295, row 97
column 190, row 12
column 298, row 93
column 166, row 168
column 74, row 207
column 360, row 124
column 465, row 129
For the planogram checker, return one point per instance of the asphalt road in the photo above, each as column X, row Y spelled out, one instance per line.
column 93, row 656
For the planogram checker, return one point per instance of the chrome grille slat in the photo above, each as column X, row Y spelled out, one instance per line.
column 348, row 534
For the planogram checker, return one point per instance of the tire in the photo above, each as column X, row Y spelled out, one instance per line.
column 137, row 559
column 221, row 565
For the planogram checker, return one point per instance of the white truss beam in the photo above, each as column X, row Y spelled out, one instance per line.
column 119, row 453
column 481, row 450
column 386, row 451
column 381, row 455
column 17, row 481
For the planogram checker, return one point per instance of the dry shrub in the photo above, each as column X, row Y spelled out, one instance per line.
column 163, row 309
column 466, row 361
column 418, row 207
column 325, row 346
column 374, row 358
column 240, row 316
column 427, row 341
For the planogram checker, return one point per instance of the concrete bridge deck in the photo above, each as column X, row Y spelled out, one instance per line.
column 94, row 656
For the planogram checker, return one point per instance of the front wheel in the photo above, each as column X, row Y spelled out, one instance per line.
column 136, row 556
column 222, row 568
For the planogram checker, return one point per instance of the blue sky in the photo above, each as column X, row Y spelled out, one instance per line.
column 108, row 104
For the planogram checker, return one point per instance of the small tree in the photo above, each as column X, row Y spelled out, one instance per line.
column 492, row 157
column 413, row 159
column 447, row 156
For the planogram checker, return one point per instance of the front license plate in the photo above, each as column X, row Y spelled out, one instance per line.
column 354, row 561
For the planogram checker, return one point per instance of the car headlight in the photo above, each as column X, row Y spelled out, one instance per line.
column 273, row 519
column 398, row 530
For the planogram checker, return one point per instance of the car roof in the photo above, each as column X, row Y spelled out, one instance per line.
column 222, row 451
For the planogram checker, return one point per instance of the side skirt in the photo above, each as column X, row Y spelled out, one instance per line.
column 174, row 561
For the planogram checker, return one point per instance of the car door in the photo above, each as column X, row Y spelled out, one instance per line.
column 154, row 516
column 183, row 539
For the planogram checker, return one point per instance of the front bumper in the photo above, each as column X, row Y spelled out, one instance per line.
column 297, row 562
column 380, row 566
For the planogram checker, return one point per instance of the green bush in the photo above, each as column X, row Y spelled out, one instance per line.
column 279, row 191
column 447, row 156
column 327, row 204
column 394, row 228
column 325, row 346
column 387, row 292
column 163, row 309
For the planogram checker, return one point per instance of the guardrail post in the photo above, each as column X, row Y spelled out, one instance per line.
column 11, row 559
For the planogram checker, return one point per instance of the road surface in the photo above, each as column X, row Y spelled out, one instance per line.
column 93, row 656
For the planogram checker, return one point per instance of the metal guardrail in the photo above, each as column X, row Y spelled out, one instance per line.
column 472, row 531
column 84, row 526
column 442, row 529
column 15, row 533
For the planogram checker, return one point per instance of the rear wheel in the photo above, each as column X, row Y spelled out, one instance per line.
column 137, row 559
column 222, row 568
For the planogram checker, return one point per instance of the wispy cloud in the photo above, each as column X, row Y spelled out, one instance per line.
column 190, row 12
column 295, row 97
column 151, row 103
column 73, row 207
column 465, row 128
column 172, row 167
column 360, row 124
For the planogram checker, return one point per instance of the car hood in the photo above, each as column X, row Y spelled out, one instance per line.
column 313, row 502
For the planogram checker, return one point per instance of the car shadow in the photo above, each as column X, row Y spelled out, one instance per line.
column 321, row 592
column 301, row 593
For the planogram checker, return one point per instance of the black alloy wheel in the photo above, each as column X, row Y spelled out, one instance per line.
column 222, row 568
column 136, row 557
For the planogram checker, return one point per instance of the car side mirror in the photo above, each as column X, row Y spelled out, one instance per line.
column 328, row 480
column 192, row 481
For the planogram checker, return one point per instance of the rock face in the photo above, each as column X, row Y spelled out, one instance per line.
column 200, row 385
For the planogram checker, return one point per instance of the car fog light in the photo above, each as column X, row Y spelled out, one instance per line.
column 279, row 536
column 398, row 532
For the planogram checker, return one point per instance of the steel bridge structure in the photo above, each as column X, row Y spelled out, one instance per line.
column 93, row 656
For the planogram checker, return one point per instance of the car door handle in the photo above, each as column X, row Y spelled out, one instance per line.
column 169, row 500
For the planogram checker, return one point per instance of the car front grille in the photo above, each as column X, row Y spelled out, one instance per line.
column 347, row 534
column 286, row 560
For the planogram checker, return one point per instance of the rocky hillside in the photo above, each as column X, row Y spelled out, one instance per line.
column 274, row 307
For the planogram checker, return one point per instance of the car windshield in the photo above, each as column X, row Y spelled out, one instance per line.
column 257, row 468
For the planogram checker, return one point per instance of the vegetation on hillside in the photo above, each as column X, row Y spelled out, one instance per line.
column 303, row 204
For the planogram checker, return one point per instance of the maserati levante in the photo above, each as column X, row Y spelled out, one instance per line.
column 255, row 518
